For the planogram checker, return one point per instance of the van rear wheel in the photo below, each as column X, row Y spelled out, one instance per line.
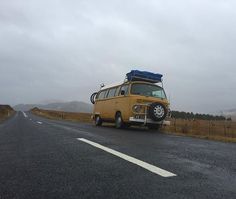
column 98, row 121
column 119, row 121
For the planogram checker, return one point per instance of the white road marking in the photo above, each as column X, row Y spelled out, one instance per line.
column 128, row 158
column 24, row 114
column 39, row 122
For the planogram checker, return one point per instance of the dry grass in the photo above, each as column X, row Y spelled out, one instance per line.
column 214, row 130
column 6, row 111
column 61, row 115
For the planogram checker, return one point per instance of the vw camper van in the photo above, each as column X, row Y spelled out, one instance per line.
column 139, row 100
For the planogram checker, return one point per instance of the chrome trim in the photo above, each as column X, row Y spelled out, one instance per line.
column 149, row 121
column 144, row 121
column 145, row 117
column 145, row 106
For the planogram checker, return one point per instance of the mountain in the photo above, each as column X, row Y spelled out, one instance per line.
column 74, row 106
column 25, row 107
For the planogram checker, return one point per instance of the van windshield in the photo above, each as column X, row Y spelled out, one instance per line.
column 148, row 90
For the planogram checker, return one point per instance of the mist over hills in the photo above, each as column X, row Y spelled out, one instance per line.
column 83, row 107
column 73, row 106
column 230, row 113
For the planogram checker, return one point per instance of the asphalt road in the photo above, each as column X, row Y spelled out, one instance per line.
column 41, row 158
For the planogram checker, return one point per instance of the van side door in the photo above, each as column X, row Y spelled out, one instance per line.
column 109, row 104
column 122, row 102
column 99, row 104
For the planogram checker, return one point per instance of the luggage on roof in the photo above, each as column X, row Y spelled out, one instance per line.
column 136, row 75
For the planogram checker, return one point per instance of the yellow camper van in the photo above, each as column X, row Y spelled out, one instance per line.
column 139, row 100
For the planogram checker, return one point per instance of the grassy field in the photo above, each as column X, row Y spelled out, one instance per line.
column 216, row 130
column 60, row 115
column 5, row 112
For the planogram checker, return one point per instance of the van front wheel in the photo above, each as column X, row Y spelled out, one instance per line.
column 98, row 121
column 119, row 121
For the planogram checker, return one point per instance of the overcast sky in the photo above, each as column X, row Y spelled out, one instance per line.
column 62, row 50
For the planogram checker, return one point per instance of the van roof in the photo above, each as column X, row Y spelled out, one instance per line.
column 120, row 83
column 112, row 85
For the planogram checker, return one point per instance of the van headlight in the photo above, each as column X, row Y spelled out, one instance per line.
column 137, row 108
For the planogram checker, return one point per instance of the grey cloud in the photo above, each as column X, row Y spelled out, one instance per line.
column 64, row 49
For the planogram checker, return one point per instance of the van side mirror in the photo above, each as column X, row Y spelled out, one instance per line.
column 122, row 92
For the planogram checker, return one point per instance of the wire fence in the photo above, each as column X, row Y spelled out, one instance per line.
column 71, row 116
column 202, row 127
column 205, row 128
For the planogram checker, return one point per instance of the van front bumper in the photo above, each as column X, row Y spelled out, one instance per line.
column 148, row 121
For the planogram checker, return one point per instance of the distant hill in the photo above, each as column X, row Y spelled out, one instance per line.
column 5, row 107
column 5, row 111
column 74, row 106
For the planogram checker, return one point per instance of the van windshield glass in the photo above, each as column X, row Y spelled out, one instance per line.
column 148, row 90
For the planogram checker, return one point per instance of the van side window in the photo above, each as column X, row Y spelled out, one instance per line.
column 111, row 92
column 117, row 91
column 124, row 88
column 102, row 94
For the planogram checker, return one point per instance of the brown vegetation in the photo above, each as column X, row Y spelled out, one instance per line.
column 6, row 111
column 216, row 130
column 61, row 115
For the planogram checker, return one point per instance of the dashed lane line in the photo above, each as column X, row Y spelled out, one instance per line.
column 24, row 114
column 145, row 165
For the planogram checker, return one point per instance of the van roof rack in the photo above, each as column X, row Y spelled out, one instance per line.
column 136, row 75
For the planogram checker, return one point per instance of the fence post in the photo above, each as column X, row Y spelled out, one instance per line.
column 209, row 132
column 175, row 126
column 225, row 129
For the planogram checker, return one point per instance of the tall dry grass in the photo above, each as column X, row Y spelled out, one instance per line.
column 61, row 115
column 6, row 111
column 216, row 130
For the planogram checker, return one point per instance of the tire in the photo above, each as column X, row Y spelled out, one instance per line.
column 154, row 126
column 98, row 121
column 119, row 121
column 157, row 111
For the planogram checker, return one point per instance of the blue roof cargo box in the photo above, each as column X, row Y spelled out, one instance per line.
column 136, row 75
